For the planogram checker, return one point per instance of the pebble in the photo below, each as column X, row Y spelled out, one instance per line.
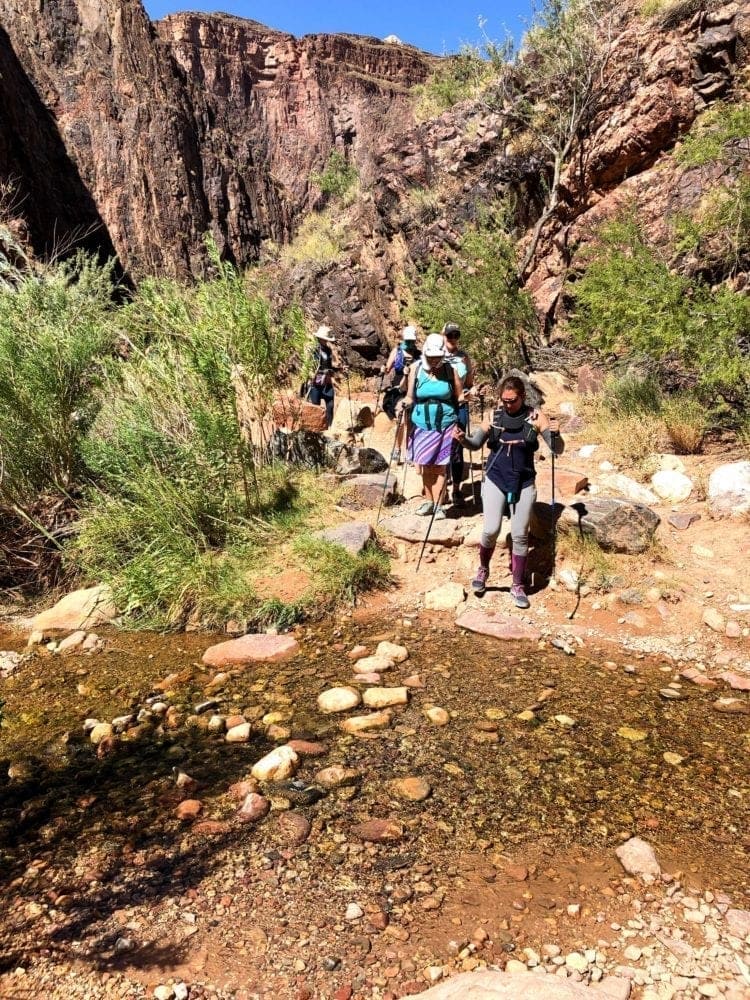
column 338, row 699
column 254, row 807
column 277, row 765
column 411, row 789
column 337, row 776
column 384, row 697
column 437, row 716
column 393, row 651
column 238, row 734
column 189, row 809
column 354, row 912
column 363, row 723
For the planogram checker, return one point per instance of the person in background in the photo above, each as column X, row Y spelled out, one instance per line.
column 399, row 361
column 512, row 433
column 461, row 362
column 433, row 395
column 321, row 384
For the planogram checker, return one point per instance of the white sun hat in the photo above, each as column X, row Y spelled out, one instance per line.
column 434, row 346
column 409, row 333
column 324, row 333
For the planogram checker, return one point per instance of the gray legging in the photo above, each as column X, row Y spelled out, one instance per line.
column 494, row 503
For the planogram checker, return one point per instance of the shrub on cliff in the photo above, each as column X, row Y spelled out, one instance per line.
column 628, row 301
column 338, row 177
column 479, row 291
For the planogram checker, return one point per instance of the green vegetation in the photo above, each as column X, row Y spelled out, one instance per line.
column 320, row 239
column 338, row 177
column 148, row 423
column 479, row 291
column 721, row 134
column 55, row 329
column 629, row 302
column 460, row 76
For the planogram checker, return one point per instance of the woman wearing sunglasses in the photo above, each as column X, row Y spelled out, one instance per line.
column 512, row 433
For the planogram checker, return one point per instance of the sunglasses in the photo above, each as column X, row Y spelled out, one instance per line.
column 452, row 336
column 509, row 402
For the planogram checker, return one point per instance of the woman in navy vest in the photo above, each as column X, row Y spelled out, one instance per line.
column 512, row 433
column 321, row 385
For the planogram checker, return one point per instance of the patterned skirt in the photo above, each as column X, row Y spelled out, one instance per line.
column 430, row 447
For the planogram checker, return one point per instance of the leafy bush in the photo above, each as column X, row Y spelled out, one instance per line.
column 718, row 231
column 457, row 78
column 55, row 331
column 338, row 177
column 480, row 292
column 628, row 301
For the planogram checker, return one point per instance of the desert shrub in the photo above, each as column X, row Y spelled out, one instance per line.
column 461, row 75
column 338, row 177
column 718, row 230
column 480, row 292
column 629, row 302
column 339, row 575
column 55, row 331
column 321, row 238
column 686, row 423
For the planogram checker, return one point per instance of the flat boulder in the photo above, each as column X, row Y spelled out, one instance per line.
column 495, row 985
column 729, row 490
column 352, row 536
column 81, row 609
column 497, row 625
column 293, row 413
column 251, row 648
column 413, row 528
column 367, row 490
column 352, row 460
column 616, row 525
column 351, row 415
column 616, row 482
column 445, row 598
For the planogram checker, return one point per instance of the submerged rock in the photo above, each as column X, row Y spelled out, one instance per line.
column 251, row 648
column 277, row 765
column 497, row 625
column 338, row 699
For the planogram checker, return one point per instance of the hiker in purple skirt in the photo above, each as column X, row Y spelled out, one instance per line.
column 432, row 400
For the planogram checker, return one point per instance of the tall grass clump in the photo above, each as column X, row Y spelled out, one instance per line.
column 479, row 290
column 55, row 332
column 339, row 575
column 181, row 496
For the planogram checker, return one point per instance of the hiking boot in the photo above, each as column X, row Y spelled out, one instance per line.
column 519, row 596
column 479, row 583
column 440, row 514
column 424, row 509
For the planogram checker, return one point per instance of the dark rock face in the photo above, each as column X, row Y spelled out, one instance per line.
column 200, row 123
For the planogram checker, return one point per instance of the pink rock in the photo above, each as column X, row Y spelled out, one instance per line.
column 71, row 642
column 306, row 748
column 293, row 828
column 357, row 652
column 369, row 678
column 732, row 706
column 241, row 789
column 696, row 677
column 379, row 831
column 738, row 923
column 255, row 648
column 733, row 630
column 211, row 827
column 737, row 682
column 189, row 809
column 81, row 609
column 497, row 625
column 492, row 985
column 234, row 720
column 254, row 807
column 414, row 681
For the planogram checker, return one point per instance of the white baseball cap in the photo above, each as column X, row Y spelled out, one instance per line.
column 434, row 346
column 409, row 333
column 324, row 333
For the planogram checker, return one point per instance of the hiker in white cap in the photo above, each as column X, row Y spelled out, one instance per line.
column 321, row 384
column 400, row 360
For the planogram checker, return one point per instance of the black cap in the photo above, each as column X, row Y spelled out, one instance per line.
column 451, row 330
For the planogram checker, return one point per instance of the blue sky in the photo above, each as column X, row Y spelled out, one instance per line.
column 440, row 26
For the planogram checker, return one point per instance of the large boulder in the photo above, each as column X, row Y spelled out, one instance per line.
column 81, row 609
column 671, row 485
column 616, row 482
column 353, row 536
column 293, row 413
column 350, row 416
column 616, row 525
column 729, row 490
column 305, row 448
column 352, row 460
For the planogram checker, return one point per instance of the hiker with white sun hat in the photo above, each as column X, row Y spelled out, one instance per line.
column 320, row 388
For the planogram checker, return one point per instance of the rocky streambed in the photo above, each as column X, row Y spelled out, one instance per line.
column 454, row 806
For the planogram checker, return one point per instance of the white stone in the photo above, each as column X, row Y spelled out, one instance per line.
column 445, row 598
column 382, row 697
column 669, row 463
column 729, row 490
column 637, row 857
column 277, row 765
column 354, row 912
column 672, row 486
column 100, row 732
column 239, row 733
column 629, row 488
column 338, row 699
column 393, row 651
column 587, row 450
column 373, row 664
column 569, row 579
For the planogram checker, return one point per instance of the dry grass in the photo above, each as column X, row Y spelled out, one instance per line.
column 628, row 440
column 321, row 238
column 686, row 424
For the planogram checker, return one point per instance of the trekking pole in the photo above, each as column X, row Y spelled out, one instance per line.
column 481, row 417
column 471, row 457
column 388, row 470
column 553, row 439
column 351, row 408
column 435, row 506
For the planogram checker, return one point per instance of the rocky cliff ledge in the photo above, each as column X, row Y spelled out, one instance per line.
column 156, row 134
